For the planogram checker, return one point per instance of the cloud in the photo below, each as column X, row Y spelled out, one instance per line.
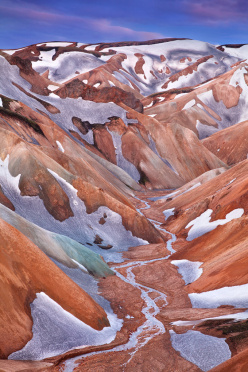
column 103, row 26
column 212, row 11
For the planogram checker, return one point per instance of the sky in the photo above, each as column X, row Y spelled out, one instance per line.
column 25, row 22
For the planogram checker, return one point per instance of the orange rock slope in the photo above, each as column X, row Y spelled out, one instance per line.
column 26, row 271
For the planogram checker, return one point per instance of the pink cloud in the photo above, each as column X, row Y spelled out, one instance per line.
column 103, row 26
column 212, row 11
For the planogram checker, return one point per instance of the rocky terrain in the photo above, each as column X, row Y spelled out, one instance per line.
column 124, row 207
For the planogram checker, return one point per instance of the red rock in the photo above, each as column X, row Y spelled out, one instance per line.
column 139, row 64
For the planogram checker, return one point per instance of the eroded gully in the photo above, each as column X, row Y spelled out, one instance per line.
column 152, row 327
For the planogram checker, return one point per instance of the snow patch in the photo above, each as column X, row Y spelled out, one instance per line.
column 236, row 296
column 91, row 47
column 204, row 351
column 201, row 224
column 122, row 162
column 189, row 270
column 237, row 317
column 229, row 183
column 150, row 105
column 56, row 331
column 58, row 44
column 52, row 87
column 241, row 53
column 45, row 59
column 53, row 95
column 61, row 148
column 12, row 51
column 168, row 212
column 189, row 104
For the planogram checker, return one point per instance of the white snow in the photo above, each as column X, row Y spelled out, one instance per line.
column 189, row 270
column 58, row 44
column 52, row 87
column 7, row 181
column 45, row 59
column 85, row 81
column 61, row 148
column 236, row 296
column 82, row 227
column 161, row 99
column 150, row 105
column 53, row 95
column 56, row 331
column 168, row 212
column 205, row 97
column 241, row 52
column 96, row 85
column 63, row 68
column 205, row 351
column 80, row 44
column 200, row 106
column 201, row 224
column 173, row 51
column 237, row 317
column 239, row 76
column 229, row 183
column 189, row 104
column 1, row 102
column 122, row 162
column 12, row 51
column 91, row 47
column 152, row 115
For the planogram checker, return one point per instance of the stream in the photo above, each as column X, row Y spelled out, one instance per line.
column 152, row 326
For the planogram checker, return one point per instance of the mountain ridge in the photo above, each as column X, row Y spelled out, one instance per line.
column 123, row 175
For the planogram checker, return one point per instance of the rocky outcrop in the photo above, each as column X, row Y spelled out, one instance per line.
column 76, row 88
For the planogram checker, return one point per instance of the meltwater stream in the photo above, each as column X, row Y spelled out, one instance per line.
column 152, row 326
column 202, row 350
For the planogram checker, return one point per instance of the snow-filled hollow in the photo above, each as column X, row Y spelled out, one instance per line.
column 189, row 270
column 56, row 331
column 168, row 212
